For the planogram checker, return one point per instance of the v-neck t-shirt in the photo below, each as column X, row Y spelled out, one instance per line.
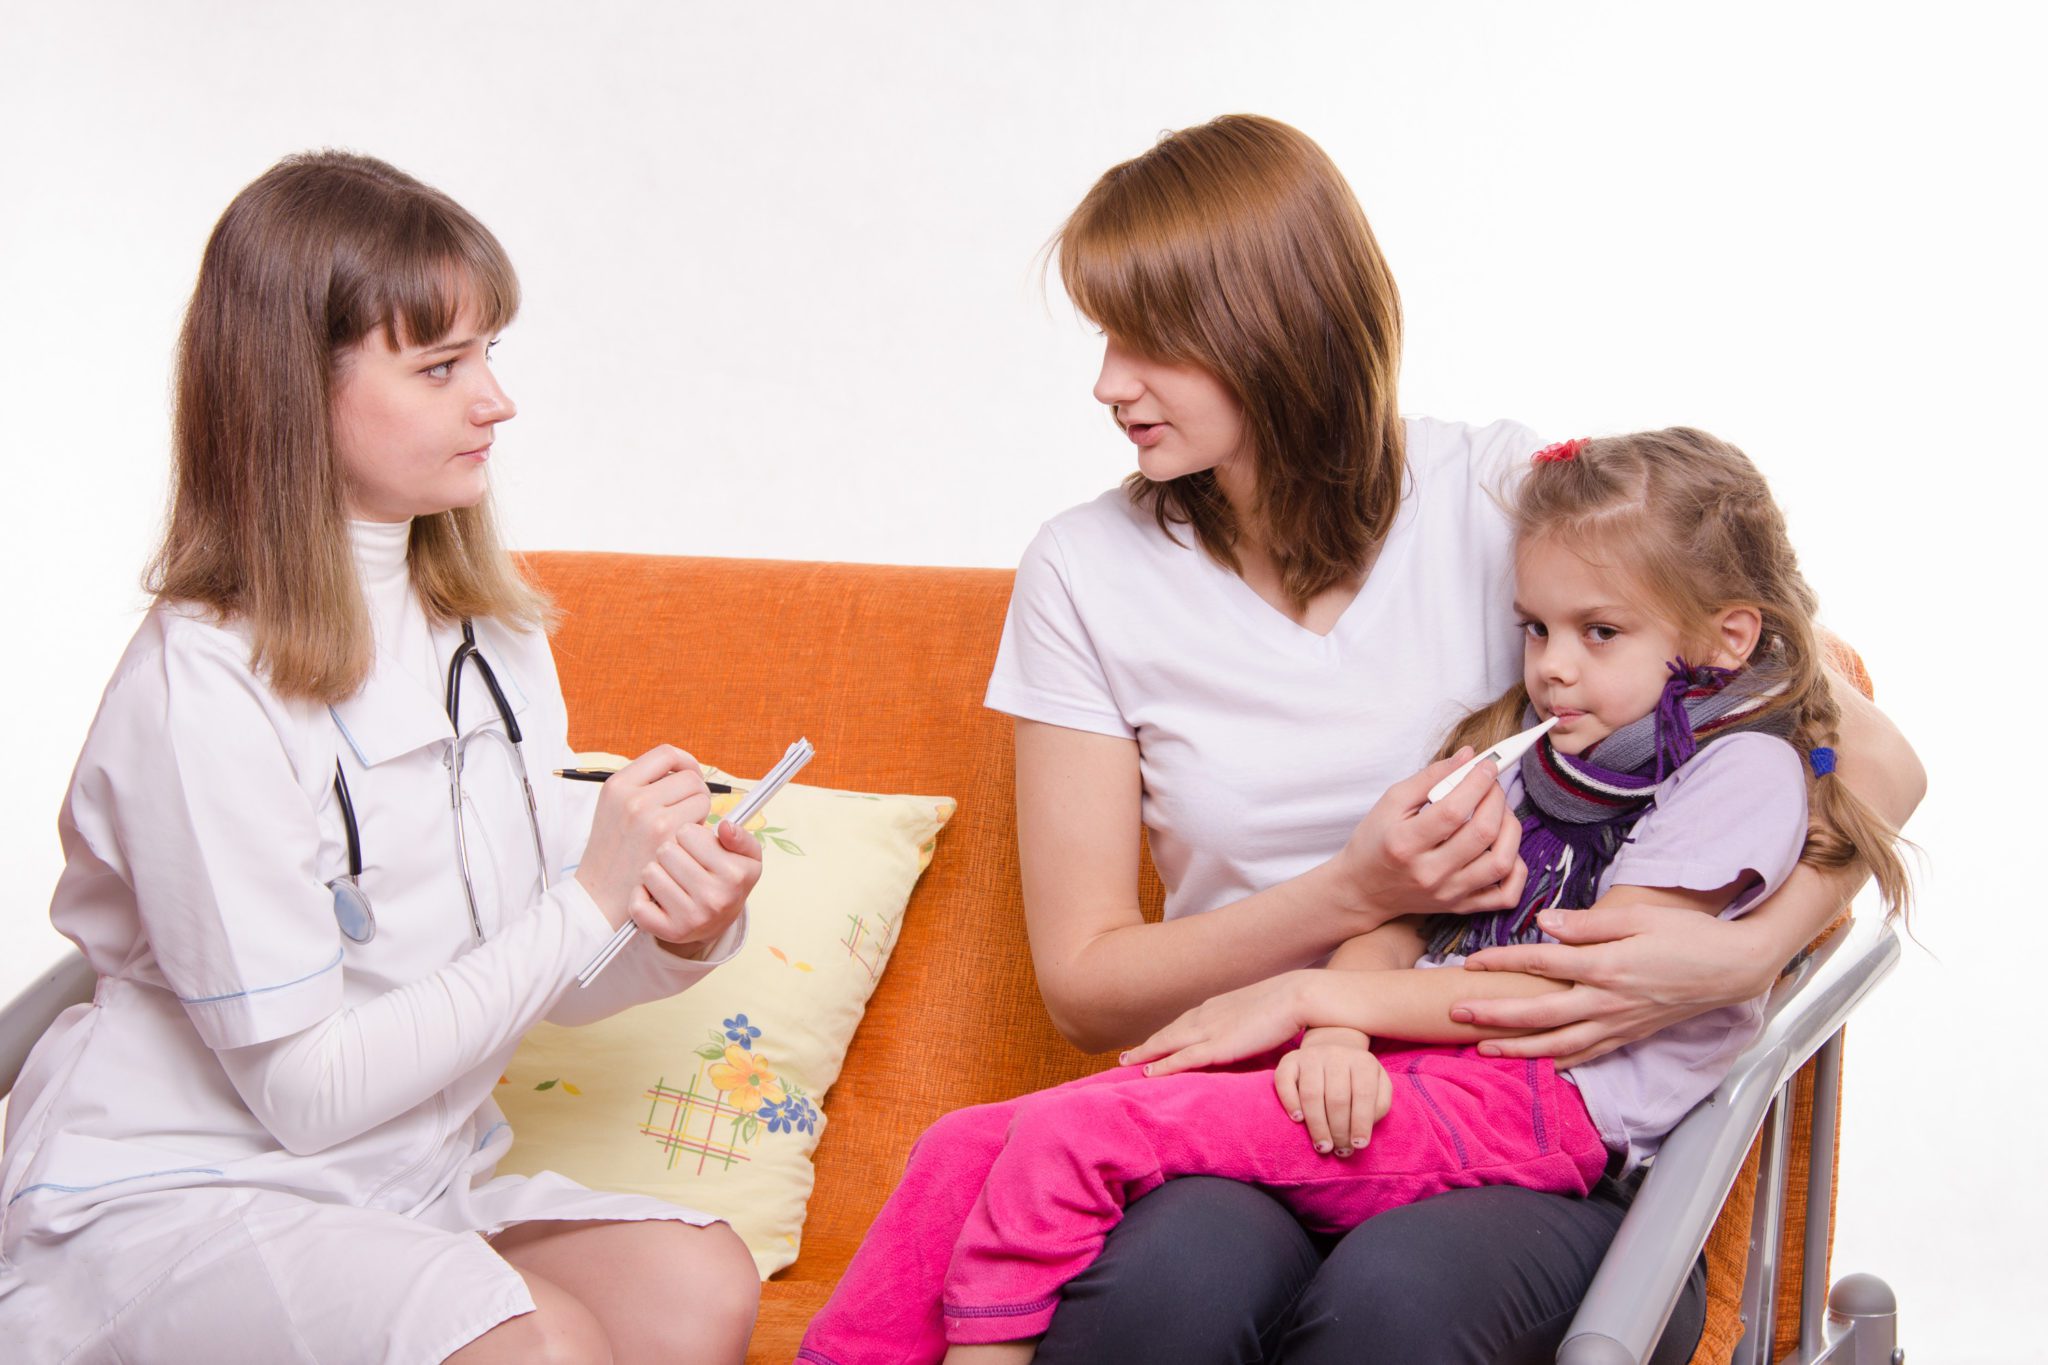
column 1261, row 744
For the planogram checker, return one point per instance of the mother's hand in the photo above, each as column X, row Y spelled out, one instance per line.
column 1240, row 1023
column 1634, row 969
column 1411, row 856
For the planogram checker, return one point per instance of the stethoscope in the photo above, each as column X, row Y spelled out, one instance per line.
column 352, row 912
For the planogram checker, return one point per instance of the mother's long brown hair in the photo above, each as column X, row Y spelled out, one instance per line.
column 1237, row 246
column 314, row 255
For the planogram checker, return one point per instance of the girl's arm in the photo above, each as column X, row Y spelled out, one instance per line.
column 1414, row 1004
column 1108, row 976
column 1635, row 969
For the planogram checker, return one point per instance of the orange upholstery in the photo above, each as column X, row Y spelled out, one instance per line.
column 883, row 667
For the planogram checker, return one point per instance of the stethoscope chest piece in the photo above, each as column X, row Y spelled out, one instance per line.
column 352, row 913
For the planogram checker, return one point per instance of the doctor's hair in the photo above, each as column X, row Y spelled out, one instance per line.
column 1236, row 246
column 1687, row 527
column 309, row 259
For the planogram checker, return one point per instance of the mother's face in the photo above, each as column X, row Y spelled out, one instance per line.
column 413, row 424
column 1181, row 417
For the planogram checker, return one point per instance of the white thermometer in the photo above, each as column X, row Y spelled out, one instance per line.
column 1509, row 750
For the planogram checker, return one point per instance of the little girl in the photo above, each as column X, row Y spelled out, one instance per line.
column 1670, row 635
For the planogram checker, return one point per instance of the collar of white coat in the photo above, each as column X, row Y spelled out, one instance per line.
column 394, row 714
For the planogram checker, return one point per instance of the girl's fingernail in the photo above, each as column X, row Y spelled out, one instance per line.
column 1549, row 920
column 1461, row 1016
column 1295, row 1115
column 1343, row 1151
column 1148, row 1068
column 1322, row 1146
column 1488, row 1050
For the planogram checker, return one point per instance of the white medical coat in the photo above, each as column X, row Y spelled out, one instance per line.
column 200, row 831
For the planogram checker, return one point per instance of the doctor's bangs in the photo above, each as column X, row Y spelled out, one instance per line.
column 421, row 269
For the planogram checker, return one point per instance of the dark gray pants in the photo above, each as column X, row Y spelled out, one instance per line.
column 1204, row 1271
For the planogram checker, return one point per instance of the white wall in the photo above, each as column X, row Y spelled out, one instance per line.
column 779, row 264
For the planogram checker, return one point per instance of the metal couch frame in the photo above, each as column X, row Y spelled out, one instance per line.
column 1853, row 1323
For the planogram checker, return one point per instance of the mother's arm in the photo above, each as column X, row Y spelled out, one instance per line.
column 1110, row 978
column 1638, row 969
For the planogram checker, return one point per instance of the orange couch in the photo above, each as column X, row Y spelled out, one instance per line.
column 883, row 667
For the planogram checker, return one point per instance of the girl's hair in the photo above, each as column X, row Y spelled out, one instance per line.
column 307, row 261
column 1691, row 524
column 1237, row 246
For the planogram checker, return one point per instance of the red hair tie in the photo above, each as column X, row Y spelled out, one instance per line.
column 1562, row 451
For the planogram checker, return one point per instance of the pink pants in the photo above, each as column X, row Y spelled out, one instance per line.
column 1002, row 1204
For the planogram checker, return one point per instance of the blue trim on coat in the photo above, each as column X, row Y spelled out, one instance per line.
column 81, row 1189
column 259, row 990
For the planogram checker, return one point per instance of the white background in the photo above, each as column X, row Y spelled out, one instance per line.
column 782, row 301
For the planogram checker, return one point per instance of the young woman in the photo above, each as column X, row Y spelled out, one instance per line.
column 315, row 852
column 1261, row 636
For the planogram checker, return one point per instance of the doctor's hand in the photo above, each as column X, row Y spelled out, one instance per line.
column 641, row 809
column 697, row 886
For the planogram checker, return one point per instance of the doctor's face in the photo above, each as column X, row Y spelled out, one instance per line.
column 413, row 424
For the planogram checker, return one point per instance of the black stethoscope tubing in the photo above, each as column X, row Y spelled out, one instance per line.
column 352, row 910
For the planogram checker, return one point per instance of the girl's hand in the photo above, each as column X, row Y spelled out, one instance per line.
column 1240, row 1023
column 1334, row 1084
column 699, row 884
column 1460, row 855
column 640, row 810
column 1634, row 969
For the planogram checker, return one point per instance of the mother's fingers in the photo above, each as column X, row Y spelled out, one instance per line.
column 1169, row 1039
column 1552, row 1009
column 1476, row 804
column 1570, row 1045
column 1558, row 961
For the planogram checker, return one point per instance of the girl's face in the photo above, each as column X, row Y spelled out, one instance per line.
column 1180, row 417
column 1592, row 655
column 413, row 425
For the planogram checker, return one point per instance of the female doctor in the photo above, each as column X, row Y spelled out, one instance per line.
column 316, row 854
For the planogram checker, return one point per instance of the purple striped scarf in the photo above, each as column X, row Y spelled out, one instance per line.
column 1576, row 812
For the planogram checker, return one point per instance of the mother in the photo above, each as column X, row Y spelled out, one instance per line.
column 1259, row 637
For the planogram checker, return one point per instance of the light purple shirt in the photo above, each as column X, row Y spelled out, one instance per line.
column 1738, row 808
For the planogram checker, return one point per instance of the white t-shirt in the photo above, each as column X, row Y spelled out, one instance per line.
column 1261, row 744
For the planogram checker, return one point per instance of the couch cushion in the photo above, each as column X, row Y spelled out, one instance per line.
column 715, row 1098
column 883, row 668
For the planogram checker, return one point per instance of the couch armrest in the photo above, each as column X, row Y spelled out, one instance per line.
column 67, row 982
column 1639, row 1282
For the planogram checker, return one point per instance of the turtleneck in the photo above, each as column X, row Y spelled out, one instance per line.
column 385, row 573
column 380, row 548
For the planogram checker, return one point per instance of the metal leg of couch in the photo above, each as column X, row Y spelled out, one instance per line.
column 1863, row 1323
column 1820, row 1198
column 1766, row 1226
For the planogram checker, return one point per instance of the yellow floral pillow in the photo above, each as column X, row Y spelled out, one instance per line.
column 715, row 1098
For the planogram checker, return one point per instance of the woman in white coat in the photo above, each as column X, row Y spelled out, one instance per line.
column 316, row 853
